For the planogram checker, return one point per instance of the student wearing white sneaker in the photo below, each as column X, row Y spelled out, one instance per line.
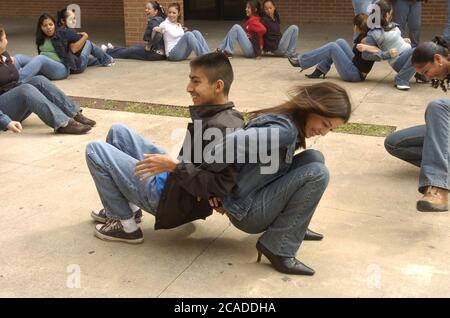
column 153, row 50
column 388, row 36
column 84, row 52
column 129, row 169
column 427, row 146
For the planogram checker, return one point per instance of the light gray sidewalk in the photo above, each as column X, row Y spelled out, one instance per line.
column 376, row 244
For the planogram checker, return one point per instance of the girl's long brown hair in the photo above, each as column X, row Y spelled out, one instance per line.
column 326, row 99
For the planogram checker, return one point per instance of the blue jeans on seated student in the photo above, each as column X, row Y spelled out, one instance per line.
column 403, row 67
column 288, row 42
column 40, row 65
column 136, row 52
column 238, row 34
column 40, row 96
column 92, row 55
column 112, row 165
column 339, row 53
column 426, row 146
column 190, row 41
column 283, row 209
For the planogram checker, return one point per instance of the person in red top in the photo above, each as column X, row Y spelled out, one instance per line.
column 250, row 38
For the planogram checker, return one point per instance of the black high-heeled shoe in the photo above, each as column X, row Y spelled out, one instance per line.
column 421, row 78
column 312, row 236
column 316, row 74
column 287, row 265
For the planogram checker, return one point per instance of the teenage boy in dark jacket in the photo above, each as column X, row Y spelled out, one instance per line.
column 132, row 173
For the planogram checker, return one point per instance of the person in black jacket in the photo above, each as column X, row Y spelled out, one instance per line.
column 274, row 42
column 153, row 50
column 132, row 173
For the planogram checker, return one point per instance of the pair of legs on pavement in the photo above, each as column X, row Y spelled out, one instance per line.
column 427, row 147
column 52, row 106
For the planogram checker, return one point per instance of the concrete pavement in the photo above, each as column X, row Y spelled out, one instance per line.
column 376, row 244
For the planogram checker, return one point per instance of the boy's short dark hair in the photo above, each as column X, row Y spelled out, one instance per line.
column 217, row 67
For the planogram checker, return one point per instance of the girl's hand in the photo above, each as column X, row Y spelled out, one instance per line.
column 360, row 47
column 393, row 52
column 158, row 29
column 14, row 126
column 13, row 60
column 407, row 40
column 185, row 29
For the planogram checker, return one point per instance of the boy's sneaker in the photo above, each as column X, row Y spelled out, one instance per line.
column 73, row 127
column 110, row 46
column 113, row 230
column 104, row 48
column 101, row 217
column 112, row 62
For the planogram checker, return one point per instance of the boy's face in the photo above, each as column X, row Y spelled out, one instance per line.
column 203, row 92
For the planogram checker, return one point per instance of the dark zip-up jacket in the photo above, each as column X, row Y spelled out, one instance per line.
column 187, row 190
column 273, row 35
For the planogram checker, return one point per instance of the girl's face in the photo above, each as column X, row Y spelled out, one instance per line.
column 248, row 10
column 390, row 15
column 150, row 11
column 269, row 9
column 173, row 14
column 436, row 70
column 3, row 43
column 71, row 20
column 48, row 27
column 320, row 125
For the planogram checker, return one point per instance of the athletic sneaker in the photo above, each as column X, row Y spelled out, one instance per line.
column 101, row 217
column 113, row 230
column 403, row 87
column 104, row 48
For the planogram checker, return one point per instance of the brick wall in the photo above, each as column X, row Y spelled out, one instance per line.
column 99, row 9
column 341, row 11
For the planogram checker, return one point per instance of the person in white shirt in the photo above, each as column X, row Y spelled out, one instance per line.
column 178, row 43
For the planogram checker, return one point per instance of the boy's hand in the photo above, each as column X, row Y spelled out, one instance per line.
column 407, row 40
column 15, row 127
column 153, row 165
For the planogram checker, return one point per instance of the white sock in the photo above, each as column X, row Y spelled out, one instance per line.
column 129, row 225
column 134, row 208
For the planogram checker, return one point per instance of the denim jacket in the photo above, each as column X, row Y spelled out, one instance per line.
column 251, row 176
column 375, row 37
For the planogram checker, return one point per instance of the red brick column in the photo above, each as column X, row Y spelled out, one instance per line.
column 135, row 20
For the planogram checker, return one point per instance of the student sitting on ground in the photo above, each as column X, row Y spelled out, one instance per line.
column 86, row 53
column 153, row 50
column 427, row 146
column 38, row 95
column 250, row 38
column 178, row 43
column 52, row 60
column 274, row 41
column 123, row 167
column 349, row 63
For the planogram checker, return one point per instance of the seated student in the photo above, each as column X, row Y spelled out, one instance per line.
column 250, row 38
column 388, row 36
column 274, row 42
column 166, row 192
column 349, row 63
column 85, row 52
column 178, row 43
column 50, row 62
column 153, row 50
column 427, row 146
column 38, row 95
column 280, row 201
